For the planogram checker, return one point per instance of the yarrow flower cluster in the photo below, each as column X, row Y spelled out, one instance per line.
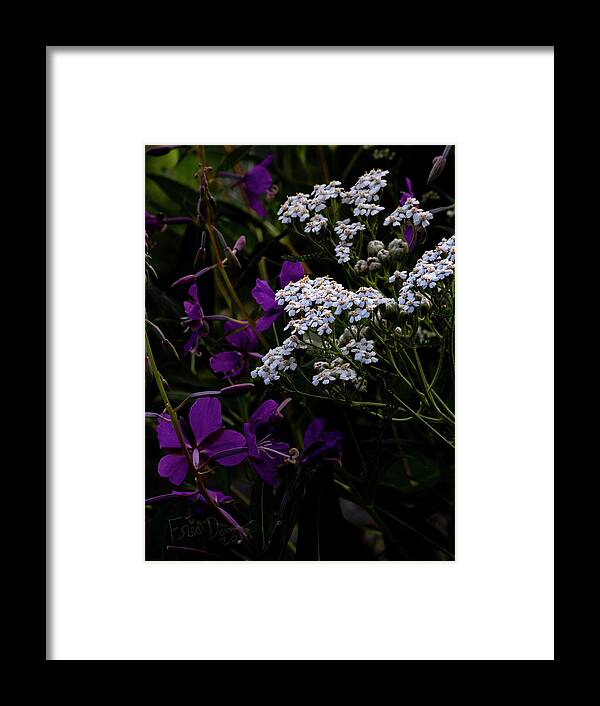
column 346, row 232
column 325, row 294
column 294, row 207
column 432, row 267
column 407, row 212
column 367, row 188
column 322, row 193
column 328, row 372
column 315, row 224
column 278, row 360
column 313, row 306
column 362, row 350
column 342, row 252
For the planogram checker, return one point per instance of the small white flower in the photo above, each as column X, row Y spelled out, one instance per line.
column 294, row 207
column 367, row 209
column 315, row 224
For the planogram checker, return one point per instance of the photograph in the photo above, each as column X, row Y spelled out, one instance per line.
column 299, row 353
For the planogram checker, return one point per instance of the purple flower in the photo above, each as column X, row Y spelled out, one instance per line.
column 236, row 362
column 408, row 230
column 319, row 444
column 264, row 452
column 255, row 183
column 195, row 321
column 264, row 296
column 209, row 439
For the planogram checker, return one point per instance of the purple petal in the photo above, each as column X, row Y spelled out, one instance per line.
column 409, row 187
column 167, row 436
column 408, row 235
column 205, row 418
column 263, row 295
column 229, row 362
column 243, row 338
column 193, row 292
column 266, row 465
column 228, row 441
column 250, row 441
column 262, row 414
column 266, row 469
column 218, row 496
column 313, row 431
column 174, row 467
column 327, row 447
column 258, row 180
column 268, row 319
column 256, row 204
column 192, row 310
column 192, row 341
column 291, row 271
column 266, row 161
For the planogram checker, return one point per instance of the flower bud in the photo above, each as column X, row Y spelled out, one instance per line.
column 360, row 267
column 373, row 247
column 373, row 264
column 391, row 308
column 346, row 337
column 438, row 165
column 398, row 248
column 240, row 243
column 383, row 255
column 237, row 390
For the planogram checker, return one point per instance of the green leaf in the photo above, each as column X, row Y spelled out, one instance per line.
column 177, row 192
column 233, row 158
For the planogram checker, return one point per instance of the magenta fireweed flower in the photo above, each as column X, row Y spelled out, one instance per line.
column 258, row 443
column 255, row 182
column 265, row 453
column 195, row 321
column 204, row 438
column 234, row 363
column 319, row 444
column 264, row 296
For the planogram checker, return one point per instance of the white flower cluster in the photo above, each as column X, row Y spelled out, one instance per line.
column 346, row 232
column 324, row 294
column 315, row 224
column 313, row 305
column 342, row 252
column 294, row 207
column 322, row 193
column 366, row 190
column 434, row 266
column 367, row 209
column 330, row 372
column 362, row 350
column 409, row 211
column 278, row 360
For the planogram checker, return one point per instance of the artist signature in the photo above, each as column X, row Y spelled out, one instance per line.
column 189, row 527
